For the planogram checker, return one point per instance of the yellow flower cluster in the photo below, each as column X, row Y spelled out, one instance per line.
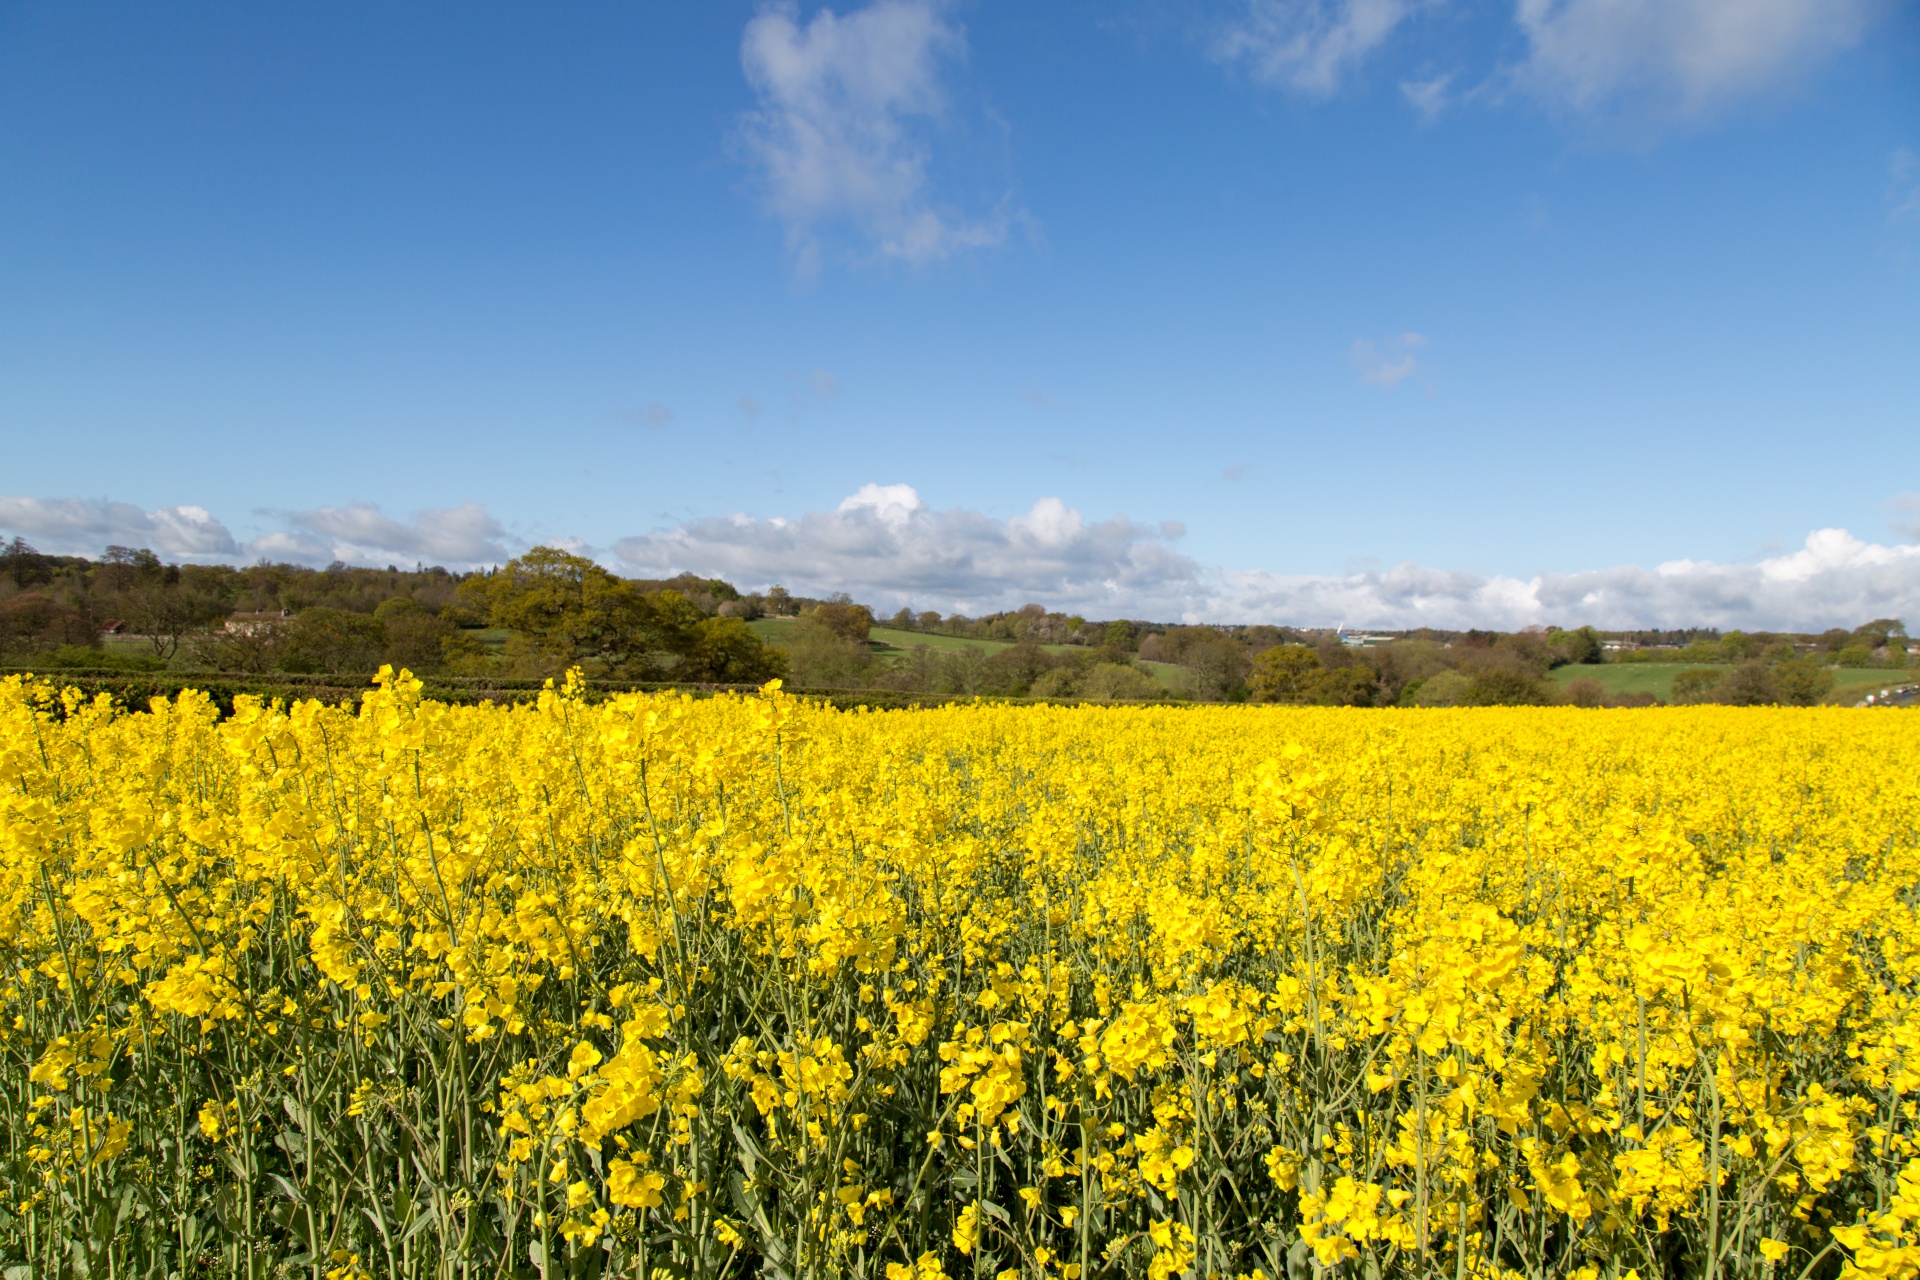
column 655, row 985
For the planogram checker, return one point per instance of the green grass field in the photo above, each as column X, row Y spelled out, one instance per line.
column 889, row 640
column 1656, row 678
column 892, row 644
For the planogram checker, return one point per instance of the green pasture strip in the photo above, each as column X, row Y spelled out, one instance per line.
column 892, row 641
column 1656, row 678
column 1169, row 674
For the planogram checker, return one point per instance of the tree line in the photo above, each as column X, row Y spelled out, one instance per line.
column 548, row 610
column 536, row 616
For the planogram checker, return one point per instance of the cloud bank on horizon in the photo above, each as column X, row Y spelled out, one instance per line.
column 462, row 537
column 887, row 547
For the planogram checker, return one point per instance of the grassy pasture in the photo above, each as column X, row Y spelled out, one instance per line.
column 1656, row 678
column 892, row 641
column 892, row 644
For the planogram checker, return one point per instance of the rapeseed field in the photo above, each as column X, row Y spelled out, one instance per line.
column 653, row 986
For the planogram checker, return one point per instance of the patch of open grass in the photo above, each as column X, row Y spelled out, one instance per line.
column 1656, row 678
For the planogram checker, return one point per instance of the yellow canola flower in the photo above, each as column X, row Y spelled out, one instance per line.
column 687, row 984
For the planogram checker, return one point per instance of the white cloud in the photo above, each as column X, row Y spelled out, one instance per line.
column 885, row 545
column 1678, row 58
column 1429, row 97
column 1309, row 46
column 85, row 526
column 1389, row 363
column 1834, row 580
column 839, row 135
column 457, row 537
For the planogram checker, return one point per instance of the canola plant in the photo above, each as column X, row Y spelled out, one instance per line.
column 654, row 986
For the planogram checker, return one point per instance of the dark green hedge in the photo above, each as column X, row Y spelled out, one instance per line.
column 136, row 689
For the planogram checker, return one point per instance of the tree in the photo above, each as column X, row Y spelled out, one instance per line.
column 668, row 622
column 565, row 609
column 1014, row 669
column 964, row 672
column 1443, row 689
column 1748, row 685
column 726, row 651
column 331, row 640
column 823, row 658
column 1499, row 687
column 33, row 621
column 1881, row 632
column 1695, row 686
column 412, row 638
column 1580, row 646
column 1801, row 683
column 163, row 614
column 1586, row 692
column 251, row 651
column 849, row 621
column 1112, row 682
column 1288, row 673
column 1355, row 686
column 24, row 565
column 115, row 570
column 1219, row 665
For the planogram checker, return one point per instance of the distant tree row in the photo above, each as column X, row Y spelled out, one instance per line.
column 549, row 609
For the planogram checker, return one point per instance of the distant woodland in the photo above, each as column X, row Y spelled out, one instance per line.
column 548, row 610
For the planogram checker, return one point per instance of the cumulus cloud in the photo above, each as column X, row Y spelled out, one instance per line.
column 459, row 537
column 840, row 133
column 360, row 533
column 1679, row 58
column 1389, row 363
column 83, row 526
column 1310, row 46
column 888, row 546
column 1834, row 580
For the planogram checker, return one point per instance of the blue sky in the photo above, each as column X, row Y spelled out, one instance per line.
column 1314, row 311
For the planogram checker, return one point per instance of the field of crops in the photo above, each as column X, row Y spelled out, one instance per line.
column 653, row 986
